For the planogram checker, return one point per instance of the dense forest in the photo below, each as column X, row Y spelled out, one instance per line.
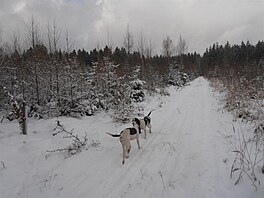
column 55, row 82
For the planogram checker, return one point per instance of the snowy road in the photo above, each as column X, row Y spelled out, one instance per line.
column 179, row 158
column 185, row 156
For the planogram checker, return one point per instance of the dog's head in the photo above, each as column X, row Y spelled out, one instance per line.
column 136, row 121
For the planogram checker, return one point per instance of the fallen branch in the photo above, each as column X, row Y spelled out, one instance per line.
column 70, row 135
column 160, row 173
column 77, row 144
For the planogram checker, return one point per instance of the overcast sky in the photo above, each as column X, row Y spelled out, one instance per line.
column 200, row 22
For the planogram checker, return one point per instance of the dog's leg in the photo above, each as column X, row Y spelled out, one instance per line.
column 145, row 131
column 128, row 148
column 138, row 141
column 125, row 146
column 149, row 128
column 124, row 152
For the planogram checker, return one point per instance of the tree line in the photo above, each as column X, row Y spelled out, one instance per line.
column 58, row 80
column 240, row 58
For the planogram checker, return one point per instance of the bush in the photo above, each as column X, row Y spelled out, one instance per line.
column 137, row 91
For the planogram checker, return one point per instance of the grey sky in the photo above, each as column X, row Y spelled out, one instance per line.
column 200, row 22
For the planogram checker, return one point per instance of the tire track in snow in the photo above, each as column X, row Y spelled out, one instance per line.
column 192, row 158
column 143, row 158
column 174, row 139
column 163, row 151
column 135, row 162
column 168, row 162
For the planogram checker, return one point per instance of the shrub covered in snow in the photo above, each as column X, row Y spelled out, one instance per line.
column 137, row 91
column 178, row 79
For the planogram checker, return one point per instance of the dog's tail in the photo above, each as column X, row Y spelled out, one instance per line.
column 150, row 112
column 113, row 135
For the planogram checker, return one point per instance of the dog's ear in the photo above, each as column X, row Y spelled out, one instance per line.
column 136, row 121
column 133, row 121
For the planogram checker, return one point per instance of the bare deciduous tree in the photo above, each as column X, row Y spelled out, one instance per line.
column 33, row 40
column 56, row 36
column 69, row 42
column 141, row 45
column 0, row 37
column 150, row 48
column 167, row 47
column 55, row 42
column 141, row 50
column 33, row 33
column 49, row 38
column 110, row 42
column 15, row 39
column 128, row 41
column 1, row 46
column 181, row 46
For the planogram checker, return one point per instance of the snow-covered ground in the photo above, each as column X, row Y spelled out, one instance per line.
column 185, row 156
